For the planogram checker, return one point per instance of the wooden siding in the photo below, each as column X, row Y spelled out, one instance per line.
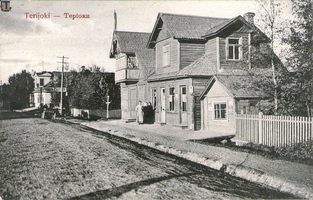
column 198, row 86
column 217, row 94
column 173, row 117
column 123, row 75
column 245, row 50
column 130, row 95
column 121, row 61
column 211, row 50
column 190, row 52
column 174, row 54
column 124, row 101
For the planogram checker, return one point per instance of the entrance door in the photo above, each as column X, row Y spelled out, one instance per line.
column 163, row 98
column 183, row 105
column 132, row 103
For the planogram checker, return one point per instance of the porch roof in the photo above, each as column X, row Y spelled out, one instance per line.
column 240, row 86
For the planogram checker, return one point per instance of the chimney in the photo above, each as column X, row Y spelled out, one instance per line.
column 249, row 17
column 115, row 20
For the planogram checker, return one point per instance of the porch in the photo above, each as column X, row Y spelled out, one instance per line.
column 170, row 130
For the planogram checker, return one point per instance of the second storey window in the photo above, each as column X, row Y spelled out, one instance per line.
column 166, row 55
column 172, row 98
column 233, row 49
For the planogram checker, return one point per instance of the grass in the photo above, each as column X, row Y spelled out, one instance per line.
column 300, row 153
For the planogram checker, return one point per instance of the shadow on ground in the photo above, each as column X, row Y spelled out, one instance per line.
column 16, row 115
column 118, row 191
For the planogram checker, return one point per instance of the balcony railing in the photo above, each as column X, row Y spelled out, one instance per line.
column 127, row 75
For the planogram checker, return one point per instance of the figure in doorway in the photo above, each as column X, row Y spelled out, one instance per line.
column 148, row 113
column 139, row 111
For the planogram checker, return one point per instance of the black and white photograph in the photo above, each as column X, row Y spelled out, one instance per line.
column 156, row 99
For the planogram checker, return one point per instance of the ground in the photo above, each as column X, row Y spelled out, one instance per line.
column 41, row 159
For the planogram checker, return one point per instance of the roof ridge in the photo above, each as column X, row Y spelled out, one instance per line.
column 186, row 15
column 132, row 32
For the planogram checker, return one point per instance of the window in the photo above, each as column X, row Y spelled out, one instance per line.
column 41, row 82
column 234, row 49
column 172, row 98
column 220, row 111
column 166, row 55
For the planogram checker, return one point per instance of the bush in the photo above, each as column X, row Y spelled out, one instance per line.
column 301, row 152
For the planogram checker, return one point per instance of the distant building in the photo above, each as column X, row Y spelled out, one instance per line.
column 46, row 83
column 189, row 68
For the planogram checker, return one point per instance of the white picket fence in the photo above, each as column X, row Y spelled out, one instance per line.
column 271, row 130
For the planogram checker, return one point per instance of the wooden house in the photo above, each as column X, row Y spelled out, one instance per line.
column 187, row 52
column 134, row 63
column 44, row 88
column 226, row 95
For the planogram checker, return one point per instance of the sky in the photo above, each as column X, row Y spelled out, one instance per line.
column 35, row 45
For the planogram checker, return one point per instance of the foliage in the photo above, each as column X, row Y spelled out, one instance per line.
column 272, row 27
column 300, row 60
column 21, row 85
column 301, row 152
column 89, row 89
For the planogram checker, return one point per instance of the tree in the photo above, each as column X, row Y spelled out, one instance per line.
column 300, row 59
column 21, row 86
column 89, row 89
column 272, row 28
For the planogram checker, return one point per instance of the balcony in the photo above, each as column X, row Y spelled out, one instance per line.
column 127, row 75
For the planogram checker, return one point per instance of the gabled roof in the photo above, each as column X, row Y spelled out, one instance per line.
column 239, row 86
column 185, row 26
column 196, row 27
column 128, row 42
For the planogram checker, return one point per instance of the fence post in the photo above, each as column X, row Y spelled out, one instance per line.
column 260, row 127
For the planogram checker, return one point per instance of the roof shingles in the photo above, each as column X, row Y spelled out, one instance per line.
column 192, row 27
column 130, row 42
column 242, row 86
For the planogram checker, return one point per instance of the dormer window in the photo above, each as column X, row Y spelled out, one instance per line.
column 166, row 55
column 234, row 49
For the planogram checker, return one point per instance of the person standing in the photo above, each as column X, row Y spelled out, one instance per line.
column 139, row 111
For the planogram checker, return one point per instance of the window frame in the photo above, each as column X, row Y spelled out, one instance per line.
column 166, row 55
column 234, row 46
column 171, row 97
column 220, row 111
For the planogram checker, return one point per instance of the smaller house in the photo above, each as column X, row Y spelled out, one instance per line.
column 227, row 95
column 46, row 83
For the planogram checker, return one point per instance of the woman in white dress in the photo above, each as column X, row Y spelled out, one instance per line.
column 139, row 111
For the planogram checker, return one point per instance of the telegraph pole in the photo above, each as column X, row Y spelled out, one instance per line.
column 62, row 77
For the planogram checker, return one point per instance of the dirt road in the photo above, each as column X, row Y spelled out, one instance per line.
column 41, row 159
